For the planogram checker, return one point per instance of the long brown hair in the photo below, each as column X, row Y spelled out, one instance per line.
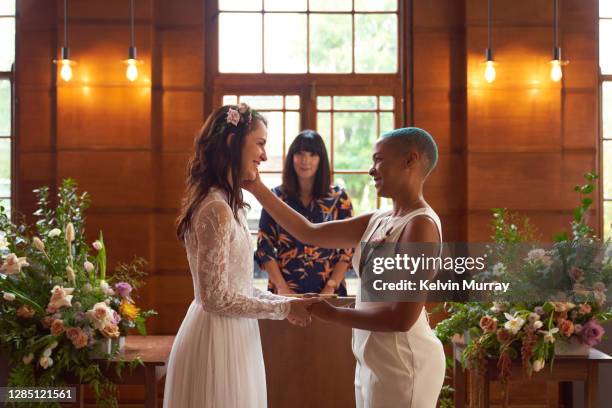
column 213, row 159
column 308, row 141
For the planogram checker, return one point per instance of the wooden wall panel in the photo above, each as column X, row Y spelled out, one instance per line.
column 580, row 120
column 514, row 120
column 182, row 53
column 173, row 170
column 528, row 181
column 444, row 189
column 582, row 53
column 440, row 14
column 511, row 12
column 185, row 12
column 182, row 119
column 37, row 14
column 116, row 180
column 107, row 9
column 433, row 51
column 35, row 66
column 169, row 254
column 103, row 117
column 36, row 119
column 127, row 235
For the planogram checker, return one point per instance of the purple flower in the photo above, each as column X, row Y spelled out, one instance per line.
column 116, row 318
column 123, row 289
column 591, row 333
column 233, row 116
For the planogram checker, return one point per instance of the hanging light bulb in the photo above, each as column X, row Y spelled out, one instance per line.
column 489, row 73
column 556, row 73
column 131, row 72
column 66, row 69
column 64, row 62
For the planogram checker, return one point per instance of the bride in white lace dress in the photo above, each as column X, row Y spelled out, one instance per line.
column 216, row 359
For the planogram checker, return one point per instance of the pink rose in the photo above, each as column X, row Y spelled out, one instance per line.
column 77, row 336
column 233, row 116
column 591, row 333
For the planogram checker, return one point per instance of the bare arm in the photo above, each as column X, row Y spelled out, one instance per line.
column 333, row 234
column 276, row 276
column 390, row 317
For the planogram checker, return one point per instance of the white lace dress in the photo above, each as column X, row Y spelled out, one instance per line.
column 216, row 359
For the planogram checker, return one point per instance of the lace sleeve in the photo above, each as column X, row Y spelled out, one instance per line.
column 260, row 294
column 213, row 232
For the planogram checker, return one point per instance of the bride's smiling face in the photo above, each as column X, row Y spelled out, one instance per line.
column 254, row 151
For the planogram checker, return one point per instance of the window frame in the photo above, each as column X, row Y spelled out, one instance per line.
column 602, row 78
column 11, row 76
column 308, row 85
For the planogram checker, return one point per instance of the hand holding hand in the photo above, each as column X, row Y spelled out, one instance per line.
column 322, row 310
column 299, row 314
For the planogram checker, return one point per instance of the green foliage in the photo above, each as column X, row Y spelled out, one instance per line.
column 55, row 262
column 578, row 264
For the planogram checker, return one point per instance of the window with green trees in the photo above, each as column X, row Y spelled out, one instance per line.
column 7, row 57
column 605, row 64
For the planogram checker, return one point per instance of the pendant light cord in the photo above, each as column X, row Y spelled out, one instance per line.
column 66, row 23
column 556, row 22
column 132, row 22
column 489, row 25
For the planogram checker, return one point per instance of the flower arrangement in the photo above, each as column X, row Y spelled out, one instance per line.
column 573, row 275
column 58, row 306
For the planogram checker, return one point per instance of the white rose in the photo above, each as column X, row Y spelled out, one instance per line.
column 97, row 245
column 55, row 232
column 9, row 297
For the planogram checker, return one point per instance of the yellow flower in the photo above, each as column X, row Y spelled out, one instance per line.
column 128, row 310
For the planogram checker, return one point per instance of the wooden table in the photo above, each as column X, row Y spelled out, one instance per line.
column 153, row 351
column 566, row 369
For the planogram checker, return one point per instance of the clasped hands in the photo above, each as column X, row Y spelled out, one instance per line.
column 302, row 309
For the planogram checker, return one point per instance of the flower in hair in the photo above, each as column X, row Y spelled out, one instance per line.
column 233, row 116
